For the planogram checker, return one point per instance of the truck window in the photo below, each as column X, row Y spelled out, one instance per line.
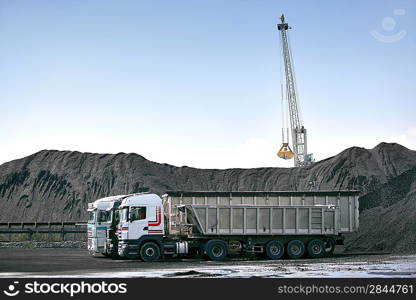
column 91, row 217
column 116, row 216
column 108, row 216
column 124, row 214
column 102, row 216
column 137, row 213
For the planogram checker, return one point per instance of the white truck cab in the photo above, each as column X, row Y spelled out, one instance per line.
column 141, row 221
column 99, row 221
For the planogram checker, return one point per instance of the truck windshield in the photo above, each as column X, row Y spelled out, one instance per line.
column 102, row 216
column 91, row 216
column 124, row 214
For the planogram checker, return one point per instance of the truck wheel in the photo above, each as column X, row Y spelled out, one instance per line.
column 149, row 252
column 275, row 249
column 316, row 248
column 329, row 246
column 295, row 249
column 216, row 250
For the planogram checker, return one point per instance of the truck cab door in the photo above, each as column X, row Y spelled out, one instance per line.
column 101, row 226
column 139, row 224
column 155, row 220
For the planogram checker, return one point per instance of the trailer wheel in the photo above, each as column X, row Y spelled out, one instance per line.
column 149, row 252
column 295, row 249
column 216, row 250
column 316, row 248
column 329, row 246
column 275, row 249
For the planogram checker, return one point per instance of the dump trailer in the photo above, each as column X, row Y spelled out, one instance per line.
column 219, row 224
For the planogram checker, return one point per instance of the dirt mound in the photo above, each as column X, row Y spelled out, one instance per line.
column 388, row 217
column 57, row 185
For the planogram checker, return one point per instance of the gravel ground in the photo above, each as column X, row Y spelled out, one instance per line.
column 67, row 262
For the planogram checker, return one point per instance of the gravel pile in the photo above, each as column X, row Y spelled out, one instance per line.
column 57, row 185
column 388, row 218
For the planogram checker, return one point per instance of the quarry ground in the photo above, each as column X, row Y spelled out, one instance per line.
column 64, row 262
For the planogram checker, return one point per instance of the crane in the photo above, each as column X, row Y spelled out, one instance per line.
column 290, row 97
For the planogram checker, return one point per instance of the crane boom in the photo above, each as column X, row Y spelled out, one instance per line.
column 298, row 130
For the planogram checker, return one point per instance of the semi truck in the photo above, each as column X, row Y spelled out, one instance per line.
column 101, row 220
column 219, row 224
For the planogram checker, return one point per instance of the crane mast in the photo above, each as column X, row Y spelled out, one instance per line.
column 298, row 130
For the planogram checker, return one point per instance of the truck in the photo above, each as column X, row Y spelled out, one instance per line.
column 101, row 219
column 220, row 224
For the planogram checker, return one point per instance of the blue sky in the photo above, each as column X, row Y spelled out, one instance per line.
column 197, row 83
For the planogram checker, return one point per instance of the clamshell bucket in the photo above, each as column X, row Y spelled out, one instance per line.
column 285, row 152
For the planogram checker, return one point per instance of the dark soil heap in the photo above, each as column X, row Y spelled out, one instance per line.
column 57, row 185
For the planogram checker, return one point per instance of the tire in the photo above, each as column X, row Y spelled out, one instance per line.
column 149, row 252
column 316, row 248
column 216, row 250
column 329, row 246
column 295, row 249
column 275, row 249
